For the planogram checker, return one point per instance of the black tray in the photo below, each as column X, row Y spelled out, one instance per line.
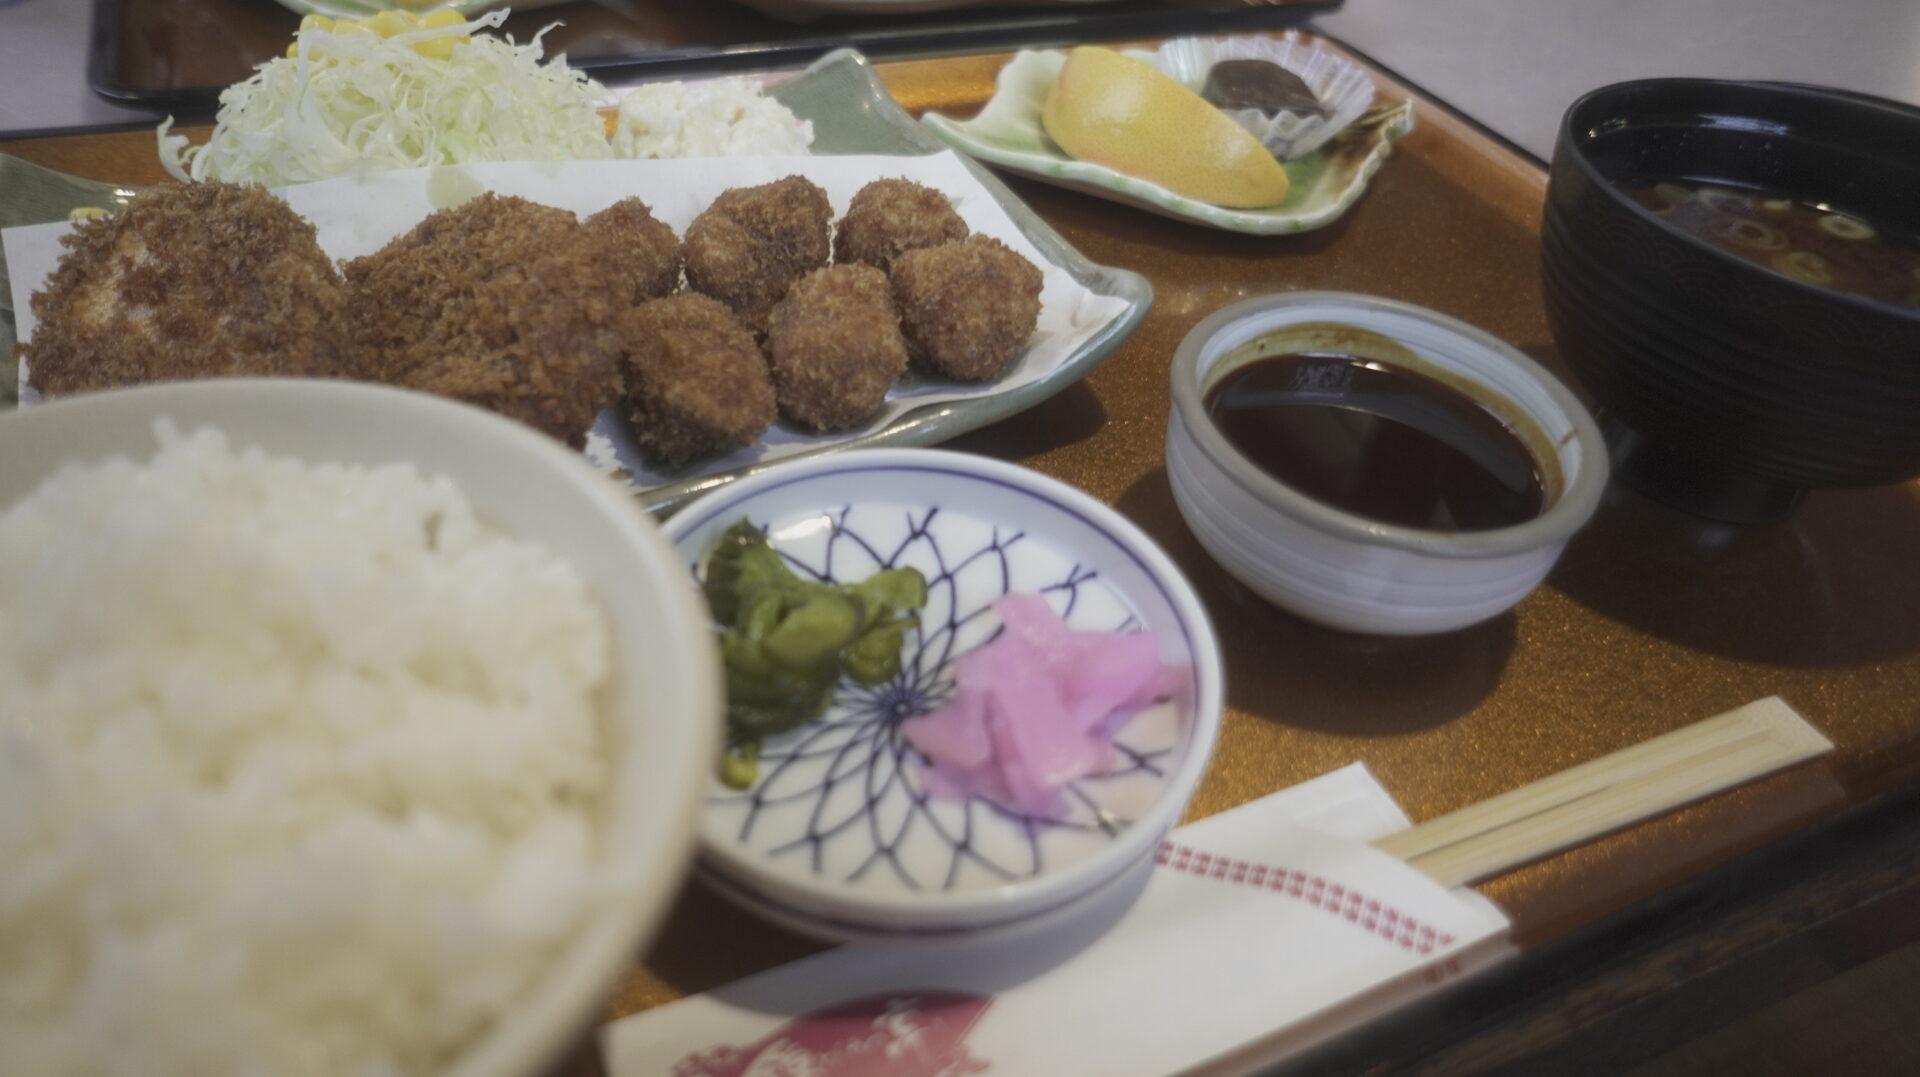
column 177, row 55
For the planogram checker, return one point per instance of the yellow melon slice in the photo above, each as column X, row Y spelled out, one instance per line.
column 1116, row 111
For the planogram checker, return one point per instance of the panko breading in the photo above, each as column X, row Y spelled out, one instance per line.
column 968, row 307
column 835, row 348
column 749, row 247
column 889, row 217
column 696, row 381
column 641, row 253
column 195, row 281
column 498, row 302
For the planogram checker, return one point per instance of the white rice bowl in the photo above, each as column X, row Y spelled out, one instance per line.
column 306, row 769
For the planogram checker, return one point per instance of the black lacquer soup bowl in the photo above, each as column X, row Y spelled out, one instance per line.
column 1727, row 387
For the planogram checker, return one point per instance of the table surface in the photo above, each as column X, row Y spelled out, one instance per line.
column 1515, row 65
column 1650, row 621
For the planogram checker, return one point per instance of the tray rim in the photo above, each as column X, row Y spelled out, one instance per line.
column 1006, row 29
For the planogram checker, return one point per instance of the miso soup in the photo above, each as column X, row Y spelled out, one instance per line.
column 1809, row 242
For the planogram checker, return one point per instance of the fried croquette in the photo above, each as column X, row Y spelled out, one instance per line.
column 497, row 302
column 968, row 307
column 639, row 251
column 749, row 247
column 195, row 281
column 835, row 348
column 889, row 217
column 696, row 381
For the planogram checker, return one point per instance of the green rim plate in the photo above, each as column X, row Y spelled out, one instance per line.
column 852, row 112
column 1323, row 185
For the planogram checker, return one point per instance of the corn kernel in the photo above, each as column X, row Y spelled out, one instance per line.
column 352, row 26
column 438, row 48
column 85, row 213
column 446, row 16
column 389, row 23
column 316, row 22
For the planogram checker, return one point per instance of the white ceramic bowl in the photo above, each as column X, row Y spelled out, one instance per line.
column 666, row 698
column 837, row 837
column 1347, row 571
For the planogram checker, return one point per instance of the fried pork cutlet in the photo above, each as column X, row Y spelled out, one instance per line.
column 835, row 348
column 889, row 217
column 640, row 252
column 696, row 382
column 966, row 307
column 749, row 247
column 196, row 281
column 498, row 302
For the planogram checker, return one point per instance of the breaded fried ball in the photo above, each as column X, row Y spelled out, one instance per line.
column 194, row 281
column 696, row 382
column 835, row 347
column 889, row 217
column 749, row 247
column 641, row 252
column 497, row 302
column 968, row 307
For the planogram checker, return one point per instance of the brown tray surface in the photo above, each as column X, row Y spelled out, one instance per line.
column 1650, row 622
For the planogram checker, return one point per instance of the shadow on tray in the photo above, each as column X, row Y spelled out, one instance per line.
column 1834, row 585
column 1302, row 675
column 1073, row 415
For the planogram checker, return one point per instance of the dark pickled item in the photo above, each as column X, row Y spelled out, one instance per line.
column 1809, row 241
column 1379, row 441
column 1261, row 85
column 786, row 641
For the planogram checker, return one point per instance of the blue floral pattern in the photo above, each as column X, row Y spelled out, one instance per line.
column 843, row 794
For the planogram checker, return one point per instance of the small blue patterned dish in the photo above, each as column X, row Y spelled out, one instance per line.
column 838, row 836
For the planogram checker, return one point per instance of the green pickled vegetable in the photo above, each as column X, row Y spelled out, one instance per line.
column 891, row 593
column 786, row 641
column 815, row 630
column 874, row 658
column 740, row 765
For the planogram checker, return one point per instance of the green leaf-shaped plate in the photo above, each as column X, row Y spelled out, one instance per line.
column 1323, row 184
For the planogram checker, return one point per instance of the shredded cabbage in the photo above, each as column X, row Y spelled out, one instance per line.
column 358, row 102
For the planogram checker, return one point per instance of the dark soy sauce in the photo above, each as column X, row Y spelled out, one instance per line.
column 1378, row 441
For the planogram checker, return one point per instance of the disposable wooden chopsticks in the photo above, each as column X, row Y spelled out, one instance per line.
column 1588, row 800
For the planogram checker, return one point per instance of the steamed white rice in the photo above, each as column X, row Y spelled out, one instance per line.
column 299, row 767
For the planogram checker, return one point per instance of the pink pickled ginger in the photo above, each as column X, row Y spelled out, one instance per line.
column 1036, row 708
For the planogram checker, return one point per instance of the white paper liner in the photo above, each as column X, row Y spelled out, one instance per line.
column 1343, row 87
column 1213, row 969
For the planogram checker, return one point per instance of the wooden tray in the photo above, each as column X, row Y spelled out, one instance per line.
column 1650, row 622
